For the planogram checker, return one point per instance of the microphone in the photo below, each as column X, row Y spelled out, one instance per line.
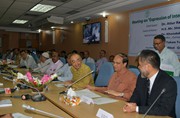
column 77, row 81
column 36, row 98
column 37, row 110
column 163, row 90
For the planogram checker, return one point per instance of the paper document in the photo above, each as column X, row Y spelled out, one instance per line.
column 88, row 93
column 19, row 115
column 59, row 85
column 103, row 100
column 5, row 103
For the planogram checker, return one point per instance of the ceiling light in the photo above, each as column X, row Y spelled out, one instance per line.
column 20, row 21
column 104, row 14
column 39, row 30
column 72, row 21
column 42, row 8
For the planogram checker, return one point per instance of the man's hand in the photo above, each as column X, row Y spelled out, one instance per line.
column 129, row 107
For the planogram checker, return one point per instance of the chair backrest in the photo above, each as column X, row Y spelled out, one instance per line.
column 105, row 72
column 63, row 60
column 177, row 79
column 135, row 71
column 92, row 66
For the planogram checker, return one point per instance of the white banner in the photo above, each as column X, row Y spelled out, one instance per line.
column 144, row 25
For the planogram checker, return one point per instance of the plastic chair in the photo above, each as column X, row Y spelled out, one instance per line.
column 135, row 71
column 104, row 74
column 177, row 79
column 92, row 66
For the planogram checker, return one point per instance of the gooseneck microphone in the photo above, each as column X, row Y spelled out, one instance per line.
column 36, row 98
column 76, row 81
column 40, row 111
column 162, row 91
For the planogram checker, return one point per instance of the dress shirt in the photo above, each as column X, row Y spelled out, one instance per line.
column 168, row 57
column 54, row 67
column 152, row 79
column 64, row 74
column 29, row 62
column 88, row 60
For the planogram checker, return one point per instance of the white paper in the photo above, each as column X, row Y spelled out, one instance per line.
column 5, row 103
column 103, row 114
column 19, row 115
column 71, row 93
column 59, row 85
column 87, row 100
column 103, row 100
column 87, row 92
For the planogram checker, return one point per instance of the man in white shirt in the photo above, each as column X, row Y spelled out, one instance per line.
column 64, row 74
column 87, row 58
column 27, row 60
column 167, row 56
column 101, row 60
column 44, row 63
column 55, row 65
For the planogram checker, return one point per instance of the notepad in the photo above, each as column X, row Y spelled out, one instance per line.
column 5, row 103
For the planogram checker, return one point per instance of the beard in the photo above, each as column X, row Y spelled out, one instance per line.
column 144, row 74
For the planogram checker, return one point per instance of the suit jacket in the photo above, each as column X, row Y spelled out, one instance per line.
column 165, row 105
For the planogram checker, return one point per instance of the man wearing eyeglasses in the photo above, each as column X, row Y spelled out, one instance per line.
column 168, row 57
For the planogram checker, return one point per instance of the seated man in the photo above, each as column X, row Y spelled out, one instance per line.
column 122, row 82
column 55, row 64
column 44, row 63
column 87, row 58
column 27, row 60
column 64, row 74
column 101, row 60
column 152, row 83
column 79, row 70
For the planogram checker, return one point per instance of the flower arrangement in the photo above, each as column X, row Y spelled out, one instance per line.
column 35, row 81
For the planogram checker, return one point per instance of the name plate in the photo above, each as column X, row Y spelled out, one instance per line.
column 87, row 100
column 103, row 114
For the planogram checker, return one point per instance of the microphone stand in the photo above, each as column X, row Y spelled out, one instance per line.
column 76, row 82
column 36, row 98
column 44, row 112
column 163, row 90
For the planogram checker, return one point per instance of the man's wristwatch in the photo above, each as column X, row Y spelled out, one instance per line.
column 121, row 94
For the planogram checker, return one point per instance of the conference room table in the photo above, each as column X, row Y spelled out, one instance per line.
column 84, row 110
column 55, row 106
column 17, row 103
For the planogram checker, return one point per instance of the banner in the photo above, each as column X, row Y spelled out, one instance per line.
column 144, row 25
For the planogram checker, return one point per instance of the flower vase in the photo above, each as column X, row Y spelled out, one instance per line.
column 38, row 89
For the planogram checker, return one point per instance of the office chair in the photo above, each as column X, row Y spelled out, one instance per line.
column 177, row 79
column 135, row 71
column 92, row 66
column 63, row 60
column 105, row 72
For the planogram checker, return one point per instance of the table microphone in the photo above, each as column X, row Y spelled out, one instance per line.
column 162, row 91
column 44, row 112
column 77, row 81
column 36, row 98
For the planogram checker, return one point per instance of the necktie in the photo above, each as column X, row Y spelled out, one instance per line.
column 148, row 89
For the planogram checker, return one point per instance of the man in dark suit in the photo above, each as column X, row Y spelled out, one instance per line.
column 143, row 96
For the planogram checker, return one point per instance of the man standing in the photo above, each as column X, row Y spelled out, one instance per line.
column 168, row 57
column 150, row 84
column 79, row 70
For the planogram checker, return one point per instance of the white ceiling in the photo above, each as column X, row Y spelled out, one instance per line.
column 75, row 10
